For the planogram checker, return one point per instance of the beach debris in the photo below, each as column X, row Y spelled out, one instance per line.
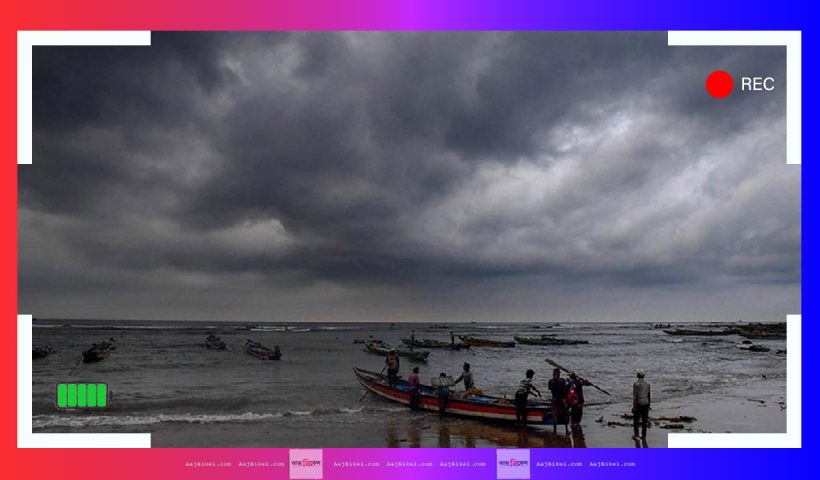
column 618, row 424
column 680, row 422
column 677, row 419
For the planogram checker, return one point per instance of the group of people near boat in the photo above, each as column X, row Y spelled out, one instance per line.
column 566, row 402
column 442, row 386
column 566, row 394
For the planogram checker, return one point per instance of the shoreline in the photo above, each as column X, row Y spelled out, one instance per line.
column 602, row 427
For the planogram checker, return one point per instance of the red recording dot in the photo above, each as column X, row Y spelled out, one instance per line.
column 719, row 84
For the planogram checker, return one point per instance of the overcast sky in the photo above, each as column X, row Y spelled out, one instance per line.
column 407, row 176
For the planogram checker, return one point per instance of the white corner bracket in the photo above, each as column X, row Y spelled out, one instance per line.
column 28, row 39
column 794, row 127
column 792, row 40
column 25, row 437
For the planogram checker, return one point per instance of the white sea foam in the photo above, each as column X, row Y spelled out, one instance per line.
column 70, row 420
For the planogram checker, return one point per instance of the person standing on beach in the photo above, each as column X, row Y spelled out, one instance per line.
column 467, row 376
column 415, row 389
column 443, row 393
column 525, row 388
column 412, row 338
column 392, row 364
column 452, row 339
column 558, row 387
column 641, row 398
column 575, row 398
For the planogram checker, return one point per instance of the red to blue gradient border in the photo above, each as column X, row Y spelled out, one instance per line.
column 396, row 15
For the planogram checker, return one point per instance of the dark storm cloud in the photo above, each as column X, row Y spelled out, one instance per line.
column 264, row 168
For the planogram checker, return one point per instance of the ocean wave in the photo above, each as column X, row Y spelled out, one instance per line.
column 72, row 420
column 81, row 420
column 49, row 421
column 138, row 327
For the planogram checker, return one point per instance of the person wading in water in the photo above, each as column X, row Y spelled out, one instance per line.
column 392, row 363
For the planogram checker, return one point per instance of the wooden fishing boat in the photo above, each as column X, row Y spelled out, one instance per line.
column 548, row 340
column 215, row 343
column 753, row 347
column 260, row 351
column 427, row 343
column 98, row 351
column 478, row 407
column 383, row 349
column 42, row 352
column 485, row 342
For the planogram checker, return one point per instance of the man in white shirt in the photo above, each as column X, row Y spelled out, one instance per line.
column 641, row 398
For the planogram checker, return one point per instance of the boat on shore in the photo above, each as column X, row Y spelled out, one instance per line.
column 766, row 331
column 480, row 407
column 753, row 347
column 548, row 340
column 485, row 342
column 260, row 351
column 428, row 343
column 215, row 343
column 98, row 351
column 384, row 349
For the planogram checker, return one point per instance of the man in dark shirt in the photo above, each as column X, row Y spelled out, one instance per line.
column 415, row 388
column 392, row 365
column 576, row 410
column 558, row 387
column 467, row 377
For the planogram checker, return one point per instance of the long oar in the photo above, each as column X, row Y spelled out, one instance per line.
column 556, row 365
column 366, row 391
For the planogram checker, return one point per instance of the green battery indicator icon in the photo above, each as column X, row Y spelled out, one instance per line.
column 82, row 395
